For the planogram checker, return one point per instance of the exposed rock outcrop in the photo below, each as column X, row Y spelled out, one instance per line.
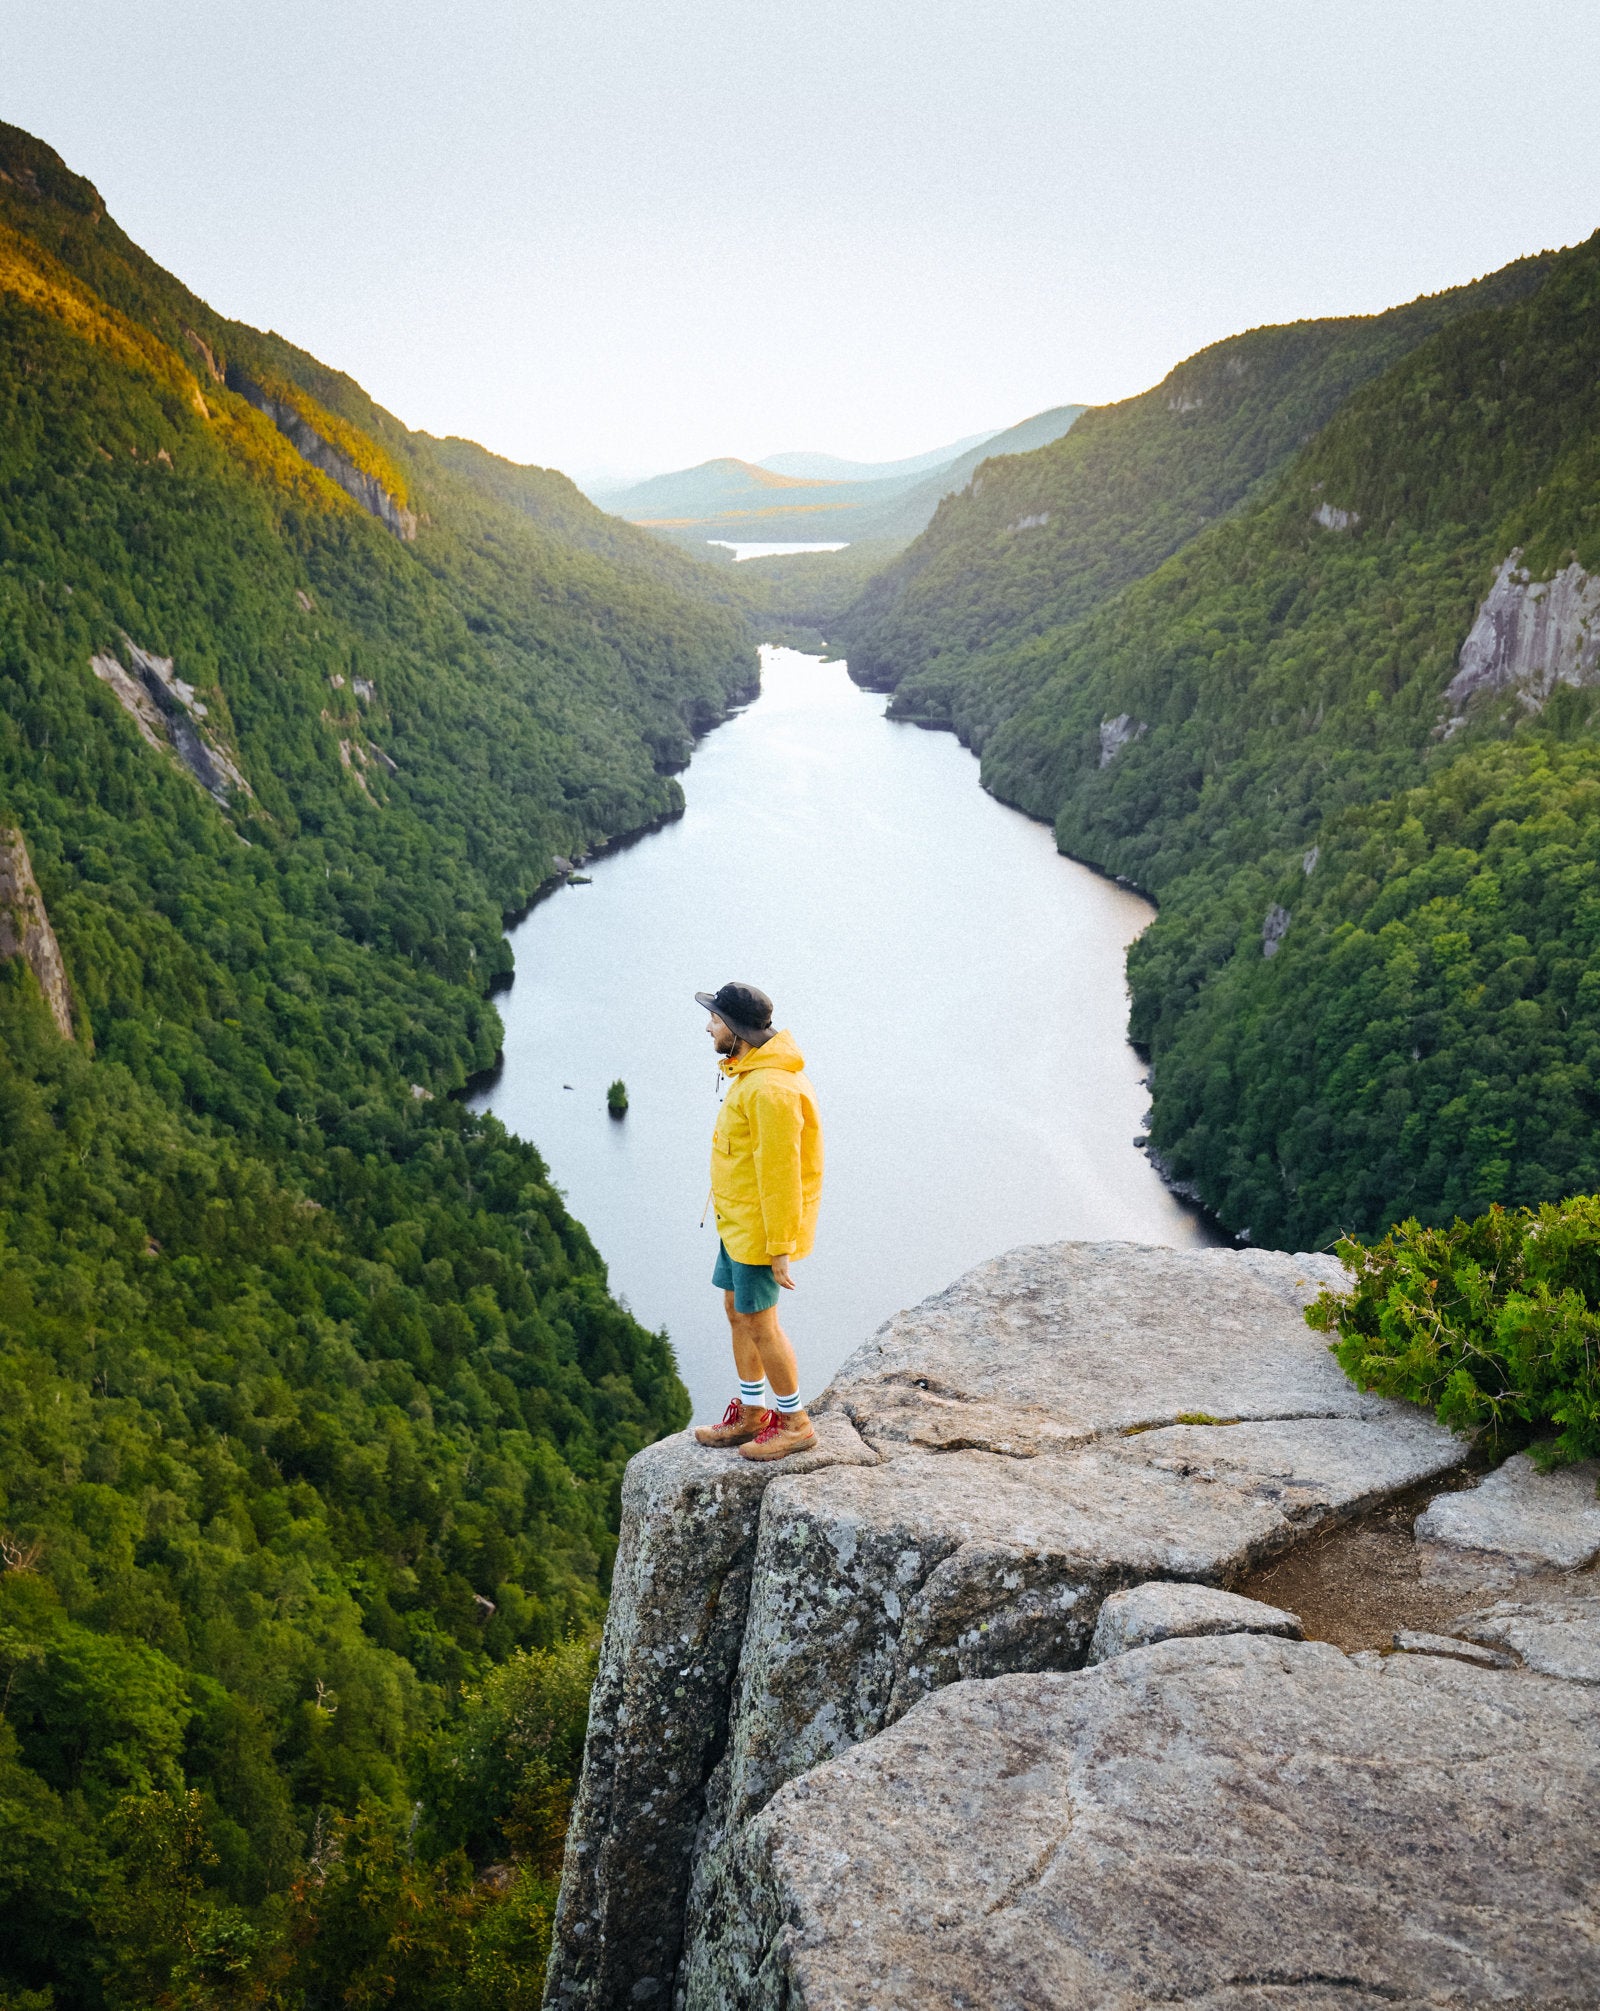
column 1530, row 635
column 309, row 444
column 204, row 351
column 169, row 714
column 1224, row 1823
column 1518, row 1522
column 659, row 1713
column 25, row 929
column 953, row 1524
column 1115, row 734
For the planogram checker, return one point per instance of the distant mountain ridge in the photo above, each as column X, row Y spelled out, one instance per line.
column 741, row 501
column 831, row 468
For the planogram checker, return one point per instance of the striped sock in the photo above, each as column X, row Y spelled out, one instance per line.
column 789, row 1404
column 753, row 1395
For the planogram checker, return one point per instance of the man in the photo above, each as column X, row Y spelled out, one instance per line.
column 766, row 1181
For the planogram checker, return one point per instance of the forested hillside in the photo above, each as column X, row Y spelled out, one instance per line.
column 1347, row 737
column 315, row 1402
column 1039, row 539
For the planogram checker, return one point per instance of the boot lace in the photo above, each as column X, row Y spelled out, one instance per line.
column 772, row 1425
column 734, row 1412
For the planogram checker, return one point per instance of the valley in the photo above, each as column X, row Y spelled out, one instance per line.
column 321, row 1400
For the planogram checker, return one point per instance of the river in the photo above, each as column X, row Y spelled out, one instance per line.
column 955, row 985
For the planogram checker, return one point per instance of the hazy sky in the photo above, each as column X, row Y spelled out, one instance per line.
column 631, row 234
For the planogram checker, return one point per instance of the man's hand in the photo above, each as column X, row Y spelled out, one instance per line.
column 780, row 1270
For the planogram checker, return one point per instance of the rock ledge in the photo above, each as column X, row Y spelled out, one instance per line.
column 948, row 1528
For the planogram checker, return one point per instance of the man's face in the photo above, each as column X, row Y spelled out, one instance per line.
column 723, row 1037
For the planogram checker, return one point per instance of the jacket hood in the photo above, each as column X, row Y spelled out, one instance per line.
column 779, row 1052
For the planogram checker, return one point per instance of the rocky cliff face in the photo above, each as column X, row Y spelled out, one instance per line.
column 309, row 444
column 1530, row 635
column 25, row 929
column 1063, row 1423
column 168, row 713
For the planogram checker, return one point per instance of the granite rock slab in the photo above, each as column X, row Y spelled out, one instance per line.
column 1118, row 1334
column 1163, row 1611
column 950, row 1526
column 1228, row 1822
column 1554, row 1632
column 1416, row 1641
column 1517, row 1522
column 873, row 1586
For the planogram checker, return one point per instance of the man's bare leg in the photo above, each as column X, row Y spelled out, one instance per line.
column 745, row 1419
column 759, row 1339
column 762, row 1348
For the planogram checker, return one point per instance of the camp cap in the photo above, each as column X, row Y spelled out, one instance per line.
column 743, row 1009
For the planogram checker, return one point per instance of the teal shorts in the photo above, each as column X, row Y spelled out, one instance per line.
column 753, row 1286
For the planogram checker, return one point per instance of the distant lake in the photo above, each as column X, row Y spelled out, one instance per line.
column 769, row 551
column 955, row 985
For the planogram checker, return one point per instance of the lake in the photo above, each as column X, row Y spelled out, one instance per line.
column 742, row 551
column 955, row 985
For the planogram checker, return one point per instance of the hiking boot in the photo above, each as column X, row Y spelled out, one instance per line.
column 780, row 1435
column 739, row 1422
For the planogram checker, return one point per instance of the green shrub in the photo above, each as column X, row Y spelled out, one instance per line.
column 1495, row 1323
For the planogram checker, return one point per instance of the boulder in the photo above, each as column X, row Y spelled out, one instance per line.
column 1160, row 1611
column 951, row 1525
column 1226, row 1823
column 1516, row 1522
column 1555, row 1633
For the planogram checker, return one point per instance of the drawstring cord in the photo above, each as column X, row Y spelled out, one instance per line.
column 706, row 1210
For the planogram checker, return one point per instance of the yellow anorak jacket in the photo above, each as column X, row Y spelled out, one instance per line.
column 766, row 1155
